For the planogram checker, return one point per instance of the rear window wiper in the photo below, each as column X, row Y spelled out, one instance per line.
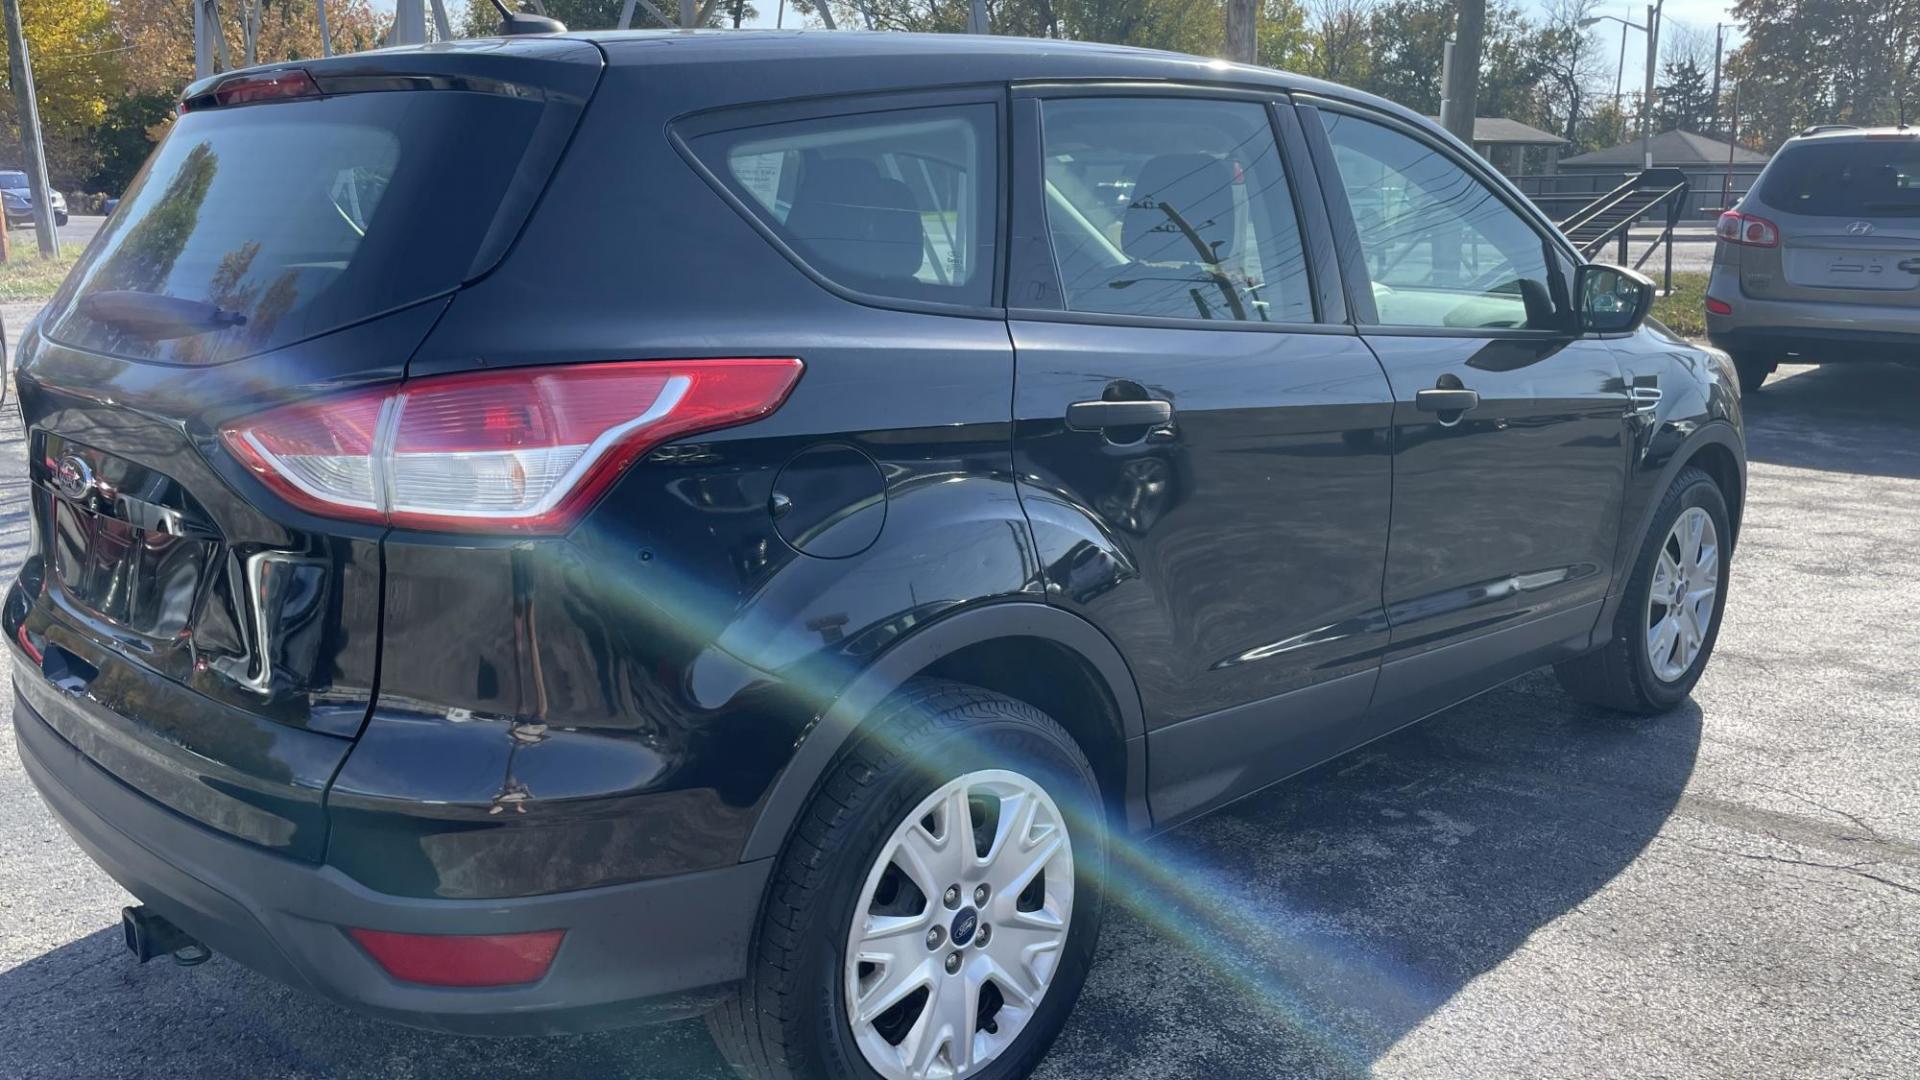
column 156, row 317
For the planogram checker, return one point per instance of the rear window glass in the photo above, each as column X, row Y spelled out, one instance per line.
column 258, row 226
column 1851, row 178
column 898, row 204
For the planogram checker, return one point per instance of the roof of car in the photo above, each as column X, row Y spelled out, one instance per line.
column 947, row 59
column 1845, row 133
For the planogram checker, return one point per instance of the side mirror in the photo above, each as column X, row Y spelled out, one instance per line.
column 1611, row 299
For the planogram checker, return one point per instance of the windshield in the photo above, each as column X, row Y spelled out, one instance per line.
column 258, row 226
column 13, row 180
column 1850, row 178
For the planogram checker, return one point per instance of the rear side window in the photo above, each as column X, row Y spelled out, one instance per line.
column 898, row 204
column 257, row 226
column 1851, row 178
column 1172, row 208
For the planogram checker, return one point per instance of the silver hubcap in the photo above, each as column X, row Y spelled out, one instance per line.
column 960, row 926
column 1680, row 604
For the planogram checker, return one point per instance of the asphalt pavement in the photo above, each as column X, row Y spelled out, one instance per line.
column 77, row 232
column 1516, row 887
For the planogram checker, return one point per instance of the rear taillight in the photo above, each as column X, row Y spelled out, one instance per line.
column 1719, row 307
column 462, row 959
column 526, row 450
column 1738, row 228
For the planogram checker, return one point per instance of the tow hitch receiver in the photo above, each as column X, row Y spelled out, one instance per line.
column 149, row 934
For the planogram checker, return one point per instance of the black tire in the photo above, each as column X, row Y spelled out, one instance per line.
column 789, row 1020
column 1620, row 676
column 60, row 218
column 1753, row 372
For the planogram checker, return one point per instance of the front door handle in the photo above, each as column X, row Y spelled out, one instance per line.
column 1101, row 415
column 1455, row 401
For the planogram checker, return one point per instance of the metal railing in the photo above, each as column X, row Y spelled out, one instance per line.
column 1610, row 217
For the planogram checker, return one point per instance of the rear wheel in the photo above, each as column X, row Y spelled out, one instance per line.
column 937, row 907
column 1753, row 372
column 1669, row 617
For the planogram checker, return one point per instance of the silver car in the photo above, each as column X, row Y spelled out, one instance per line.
column 1820, row 262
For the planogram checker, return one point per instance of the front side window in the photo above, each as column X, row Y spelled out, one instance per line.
column 898, row 204
column 1442, row 249
column 1172, row 208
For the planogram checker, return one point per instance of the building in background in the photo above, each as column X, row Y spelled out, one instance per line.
column 1513, row 147
column 1704, row 160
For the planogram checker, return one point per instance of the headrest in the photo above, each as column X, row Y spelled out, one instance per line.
column 1197, row 187
column 853, row 220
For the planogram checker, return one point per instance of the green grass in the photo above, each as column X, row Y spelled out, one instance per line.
column 1684, row 309
column 27, row 276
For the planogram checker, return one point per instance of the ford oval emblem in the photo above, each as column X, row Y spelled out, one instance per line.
column 73, row 477
column 1860, row 228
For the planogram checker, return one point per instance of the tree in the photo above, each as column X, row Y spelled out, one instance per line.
column 1409, row 49
column 70, row 43
column 1574, row 62
column 1339, row 41
column 1825, row 61
column 1684, row 101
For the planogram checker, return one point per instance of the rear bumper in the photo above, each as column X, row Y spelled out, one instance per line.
column 633, row 953
column 1809, row 331
column 1803, row 344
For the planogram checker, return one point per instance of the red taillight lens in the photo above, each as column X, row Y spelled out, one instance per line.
column 525, row 450
column 1738, row 228
column 462, row 959
column 1719, row 307
column 265, row 86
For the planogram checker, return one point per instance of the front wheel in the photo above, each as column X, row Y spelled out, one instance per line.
column 1669, row 617
column 935, row 912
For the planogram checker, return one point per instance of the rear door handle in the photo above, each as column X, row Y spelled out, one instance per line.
column 1446, row 401
column 1101, row 415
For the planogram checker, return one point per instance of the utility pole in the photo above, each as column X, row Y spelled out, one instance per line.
column 1460, row 97
column 977, row 18
column 1243, row 45
column 1713, row 111
column 326, row 38
column 409, row 23
column 1646, row 98
column 34, row 149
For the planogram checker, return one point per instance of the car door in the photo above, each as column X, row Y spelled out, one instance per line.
column 1200, row 439
column 1510, row 428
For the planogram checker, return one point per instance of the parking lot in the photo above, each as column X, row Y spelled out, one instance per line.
column 1515, row 888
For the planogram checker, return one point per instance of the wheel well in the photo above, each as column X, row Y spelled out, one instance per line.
column 1059, row 682
column 1719, row 463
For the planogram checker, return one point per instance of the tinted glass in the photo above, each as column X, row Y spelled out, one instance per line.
column 257, row 226
column 1441, row 248
column 1172, row 208
column 898, row 203
column 13, row 180
column 1854, row 178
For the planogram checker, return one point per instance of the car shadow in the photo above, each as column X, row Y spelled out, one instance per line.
column 1307, row 929
column 1854, row 417
column 1299, row 932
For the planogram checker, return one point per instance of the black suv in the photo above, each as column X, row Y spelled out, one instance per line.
column 539, row 533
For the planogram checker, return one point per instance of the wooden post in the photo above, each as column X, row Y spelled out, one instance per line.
column 1243, row 44
column 30, row 144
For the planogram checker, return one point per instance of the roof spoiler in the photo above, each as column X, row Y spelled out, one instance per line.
column 514, row 23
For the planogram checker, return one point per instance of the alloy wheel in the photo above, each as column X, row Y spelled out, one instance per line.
column 959, row 929
column 1680, row 601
